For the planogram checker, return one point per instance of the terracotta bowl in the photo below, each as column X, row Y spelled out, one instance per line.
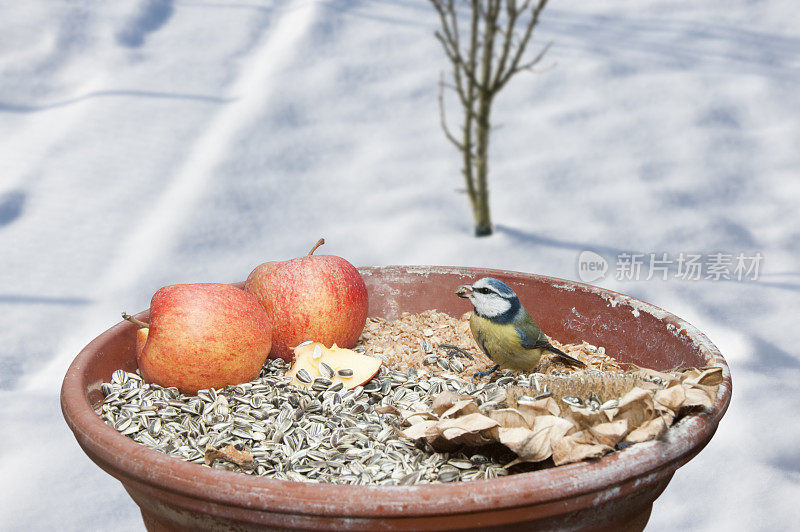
column 615, row 492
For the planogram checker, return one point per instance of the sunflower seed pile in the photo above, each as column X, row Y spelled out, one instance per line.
column 321, row 434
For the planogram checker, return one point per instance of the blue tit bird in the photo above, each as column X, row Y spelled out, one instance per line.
column 504, row 329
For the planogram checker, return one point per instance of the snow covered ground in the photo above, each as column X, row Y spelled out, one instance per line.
column 150, row 142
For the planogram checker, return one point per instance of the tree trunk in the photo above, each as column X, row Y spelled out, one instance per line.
column 483, row 221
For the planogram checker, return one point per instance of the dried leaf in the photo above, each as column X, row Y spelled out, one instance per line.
column 529, row 446
column 535, row 444
column 609, row 433
column 708, row 377
column 512, row 418
column 690, row 375
column 547, row 427
column 611, row 413
column 556, row 426
column 469, row 424
column 584, row 417
column 418, row 430
column 711, row 377
column 544, row 406
column 576, row 447
column 445, row 400
column 636, row 407
column 415, row 418
column 409, row 416
column 636, row 395
column 699, row 395
column 651, row 429
column 668, row 378
column 460, row 408
column 671, row 398
column 229, row 453
column 474, row 430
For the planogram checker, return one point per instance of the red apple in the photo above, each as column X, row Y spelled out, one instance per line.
column 316, row 297
column 203, row 336
column 141, row 339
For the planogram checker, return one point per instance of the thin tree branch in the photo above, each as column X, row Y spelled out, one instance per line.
column 443, row 118
column 457, row 66
column 450, row 38
column 457, row 45
column 511, row 19
column 536, row 59
column 513, row 67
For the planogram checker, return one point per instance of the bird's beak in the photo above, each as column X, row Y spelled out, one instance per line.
column 465, row 290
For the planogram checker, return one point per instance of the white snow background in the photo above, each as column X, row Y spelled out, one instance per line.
column 151, row 142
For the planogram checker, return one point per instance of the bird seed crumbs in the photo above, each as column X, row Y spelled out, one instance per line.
column 443, row 344
column 422, row 419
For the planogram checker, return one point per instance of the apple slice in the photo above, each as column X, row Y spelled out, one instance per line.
column 311, row 355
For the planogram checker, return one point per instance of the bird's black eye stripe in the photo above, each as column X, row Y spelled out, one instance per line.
column 483, row 290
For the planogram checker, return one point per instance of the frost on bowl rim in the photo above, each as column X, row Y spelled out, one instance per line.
column 611, row 491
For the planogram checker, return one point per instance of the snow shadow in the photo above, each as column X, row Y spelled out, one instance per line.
column 150, row 17
column 675, row 43
column 529, row 238
column 26, row 299
column 769, row 357
column 6, row 107
column 12, row 204
column 420, row 15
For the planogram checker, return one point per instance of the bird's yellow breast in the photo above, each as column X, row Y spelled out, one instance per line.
column 501, row 342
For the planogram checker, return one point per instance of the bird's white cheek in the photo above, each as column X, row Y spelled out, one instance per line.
column 494, row 307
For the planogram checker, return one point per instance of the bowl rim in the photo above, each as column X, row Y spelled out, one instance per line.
column 122, row 457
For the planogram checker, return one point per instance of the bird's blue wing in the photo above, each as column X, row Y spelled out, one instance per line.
column 540, row 341
column 532, row 337
column 528, row 340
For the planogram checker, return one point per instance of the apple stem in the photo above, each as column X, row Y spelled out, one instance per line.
column 318, row 244
column 138, row 323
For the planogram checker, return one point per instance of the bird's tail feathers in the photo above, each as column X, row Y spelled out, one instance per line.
column 565, row 356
